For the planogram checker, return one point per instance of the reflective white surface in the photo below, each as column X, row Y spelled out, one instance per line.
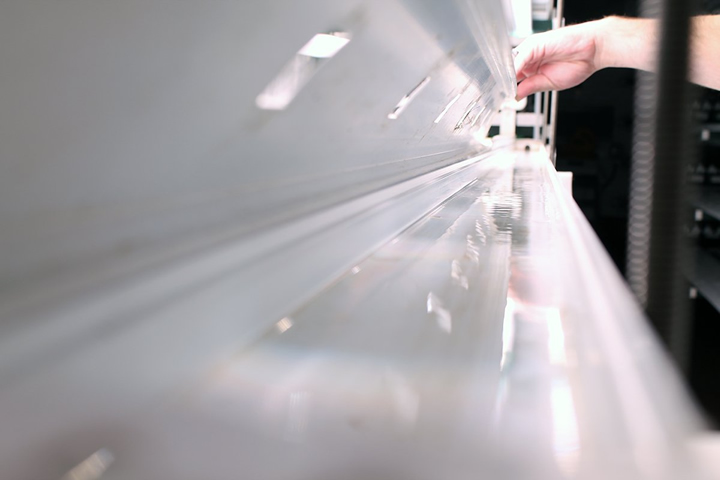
column 132, row 132
column 492, row 338
column 192, row 287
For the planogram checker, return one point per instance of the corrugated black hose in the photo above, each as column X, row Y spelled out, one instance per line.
column 658, row 196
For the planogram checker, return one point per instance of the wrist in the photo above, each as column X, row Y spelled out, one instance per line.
column 624, row 43
column 606, row 53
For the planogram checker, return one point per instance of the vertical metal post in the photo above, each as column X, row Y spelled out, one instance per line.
column 545, row 117
column 557, row 21
column 537, row 109
column 662, row 195
column 641, row 175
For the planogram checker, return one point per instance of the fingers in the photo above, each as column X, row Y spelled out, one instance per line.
column 521, row 55
column 533, row 84
column 525, row 57
column 515, row 53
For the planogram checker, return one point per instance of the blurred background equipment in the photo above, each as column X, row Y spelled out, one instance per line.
column 595, row 143
column 283, row 240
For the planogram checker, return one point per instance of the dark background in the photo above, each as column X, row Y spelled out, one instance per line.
column 594, row 136
column 594, row 141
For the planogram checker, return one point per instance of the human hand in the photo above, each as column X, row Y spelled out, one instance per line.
column 558, row 59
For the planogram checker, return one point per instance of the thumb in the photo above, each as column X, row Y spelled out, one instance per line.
column 521, row 55
column 524, row 55
column 534, row 84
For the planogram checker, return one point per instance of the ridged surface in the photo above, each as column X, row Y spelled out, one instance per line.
column 641, row 175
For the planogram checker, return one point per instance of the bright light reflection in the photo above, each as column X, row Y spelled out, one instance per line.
column 92, row 467
column 405, row 101
column 472, row 251
column 458, row 276
column 508, row 332
column 293, row 77
column 447, row 107
column 324, row 45
column 556, row 337
column 442, row 315
column 566, row 440
column 482, row 139
column 284, row 325
column 480, row 231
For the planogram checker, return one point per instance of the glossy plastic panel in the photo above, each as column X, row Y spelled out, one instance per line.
column 136, row 131
column 491, row 338
column 198, row 281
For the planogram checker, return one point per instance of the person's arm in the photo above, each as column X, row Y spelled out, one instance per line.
column 566, row 57
column 705, row 53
